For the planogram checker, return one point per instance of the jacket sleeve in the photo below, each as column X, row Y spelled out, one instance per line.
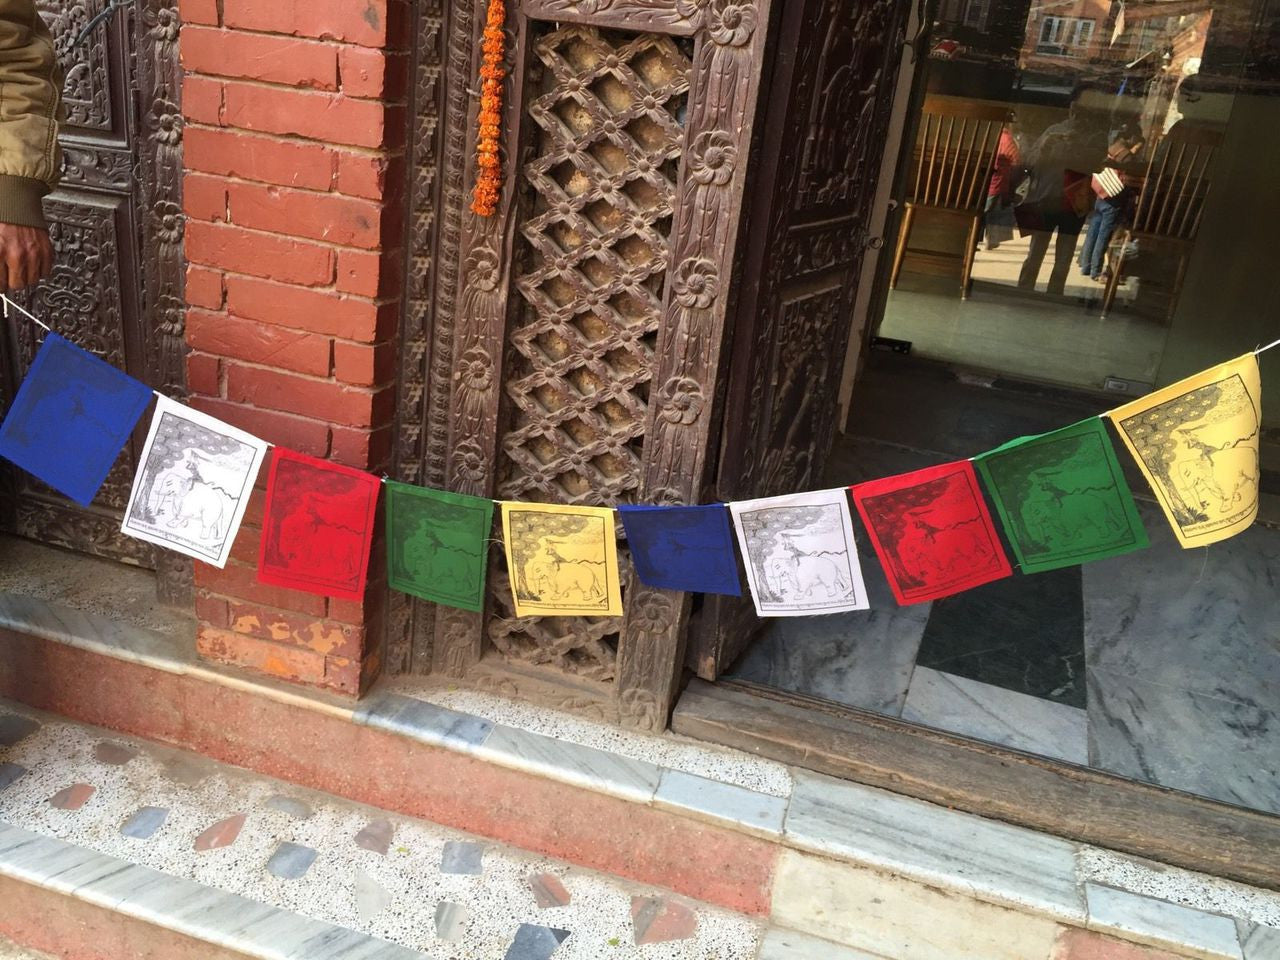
column 30, row 106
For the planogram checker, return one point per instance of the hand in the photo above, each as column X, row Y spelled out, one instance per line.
column 26, row 256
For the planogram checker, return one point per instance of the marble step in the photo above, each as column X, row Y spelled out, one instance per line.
column 183, row 856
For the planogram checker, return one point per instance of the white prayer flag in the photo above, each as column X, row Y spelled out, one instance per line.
column 800, row 554
column 193, row 483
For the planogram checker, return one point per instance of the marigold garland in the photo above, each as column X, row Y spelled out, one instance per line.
column 484, row 198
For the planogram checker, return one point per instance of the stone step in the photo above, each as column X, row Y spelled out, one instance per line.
column 191, row 856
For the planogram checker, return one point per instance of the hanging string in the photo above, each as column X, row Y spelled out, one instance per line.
column 1273, row 343
column 23, row 310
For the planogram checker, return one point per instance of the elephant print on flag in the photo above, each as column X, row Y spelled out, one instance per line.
column 932, row 532
column 193, row 483
column 1196, row 442
column 799, row 554
column 563, row 561
column 318, row 527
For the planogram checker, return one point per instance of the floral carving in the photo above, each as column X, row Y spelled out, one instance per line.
column 696, row 283
column 639, row 708
column 470, row 463
column 162, row 24
column 731, row 23
column 481, row 270
column 167, row 221
column 691, row 9
column 166, row 120
column 475, row 370
column 650, row 612
column 712, row 157
column 681, row 400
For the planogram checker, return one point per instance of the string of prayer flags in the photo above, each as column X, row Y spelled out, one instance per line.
column 436, row 544
column 71, row 418
column 932, row 532
column 1062, row 497
column 318, row 526
column 800, row 554
column 1196, row 442
column 682, row 548
column 563, row 561
column 193, row 483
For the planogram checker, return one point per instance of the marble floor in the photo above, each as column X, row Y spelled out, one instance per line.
column 1161, row 665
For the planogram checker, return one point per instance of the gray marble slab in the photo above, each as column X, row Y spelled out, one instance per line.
column 10, row 773
column 997, row 715
column 14, row 727
column 144, row 823
column 1214, row 747
column 789, row 945
column 534, row 942
column 1160, row 923
column 757, row 812
column 423, row 721
column 462, row 856
column 991, row 861
column 451, row 921
column 572, row 763
column 1258, row 942
column 291, row 861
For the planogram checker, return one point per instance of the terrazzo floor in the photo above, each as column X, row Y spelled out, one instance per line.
column 431, row 889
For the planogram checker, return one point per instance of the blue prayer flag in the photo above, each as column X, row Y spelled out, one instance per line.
column 683, row 548
column 71, row 418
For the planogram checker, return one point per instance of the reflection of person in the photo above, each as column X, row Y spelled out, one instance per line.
column 1002, row 190
column 1114, row 198
column 30, row 101
column 1061, row 162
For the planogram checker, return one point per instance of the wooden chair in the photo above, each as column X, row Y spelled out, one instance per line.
column 954, row 155
column 1170, row 202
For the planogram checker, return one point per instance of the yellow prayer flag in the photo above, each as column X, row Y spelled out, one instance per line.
column 1196, row 442
column 563, row 561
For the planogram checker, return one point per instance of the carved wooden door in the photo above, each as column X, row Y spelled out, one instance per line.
column 569, row 349
column 831, row 94
column 116, row 225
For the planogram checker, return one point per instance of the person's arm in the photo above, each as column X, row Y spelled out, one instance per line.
column 30, row 103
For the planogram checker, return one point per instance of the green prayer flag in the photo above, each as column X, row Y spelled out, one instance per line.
column 437, row 544
column 1062, row 497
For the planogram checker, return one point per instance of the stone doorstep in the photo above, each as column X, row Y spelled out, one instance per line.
column 916, row 847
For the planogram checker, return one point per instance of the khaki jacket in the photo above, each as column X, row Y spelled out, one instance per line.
column 30, row 107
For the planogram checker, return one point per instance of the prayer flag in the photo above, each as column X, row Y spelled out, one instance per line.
column 1196, row 442
column 193, row 483
column 1062, row 497
column 437, row 544
column 318, row 526
column 799, row 554
column 563, row 560
column 932, row 531
column 71, row 418
column 682, row 548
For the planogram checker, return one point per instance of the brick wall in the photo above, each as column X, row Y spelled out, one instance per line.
column 295, row 122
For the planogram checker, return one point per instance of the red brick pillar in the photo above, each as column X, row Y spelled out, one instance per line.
column 295, row 125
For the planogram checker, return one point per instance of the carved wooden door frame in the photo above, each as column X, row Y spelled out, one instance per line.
column 452, row 383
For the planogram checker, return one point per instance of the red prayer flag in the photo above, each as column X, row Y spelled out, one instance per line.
column 318, row 528
column 932, row 531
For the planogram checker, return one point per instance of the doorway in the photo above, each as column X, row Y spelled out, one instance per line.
column 116, row 287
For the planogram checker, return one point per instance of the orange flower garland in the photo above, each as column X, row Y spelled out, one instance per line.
column 484, row 198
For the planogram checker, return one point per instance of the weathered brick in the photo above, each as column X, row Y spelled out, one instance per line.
column 363, row 449
column 202, row 99
column 232, row 53
column 204, row 197
column 242, row 583
column 316, row 310
column 275, row 659
column 198, row 11
column 328, row 117
column 230, row 336
column 259, row 254
column 203, row 287
column 211, row 609
column 361, row 272
column 355, row 21
column 297, row 433
column 301, row 213
column 325, row 399
column 364, row 365
column 267, row 159
column 202, row 374
column 322, row 636
column 363, row 72
column 362, row 174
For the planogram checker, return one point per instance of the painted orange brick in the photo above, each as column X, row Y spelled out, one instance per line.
column 316, row 310
column 298, row 433
column 328, row 117
column 211, row 609
column 364, row 449
column 241, row 582
column 198, row 11
column 355, row 21
column 204, row 197
column 229, row 336
column 301, row 213
column 268, row 159
column 325, row 637
column 363, row 72
column 203, row 374
column 232, row 53
column 274, row 659
column 203, row 287
column 363, row 365
column 202, row 99
column 360, row 272
column 324, row 399
column 259, row 254
column 362, row 175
